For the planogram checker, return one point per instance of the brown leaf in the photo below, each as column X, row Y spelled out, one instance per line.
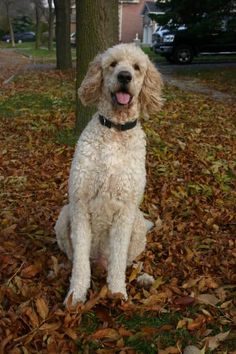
column 50, row 326
column 31, row 271
column 191, row 349
column 124, row 332
column 214, row 342
column 42, row 308
column 158, row 282
column 107, row 333
column 207, row 299
column 136, row 270
column 184, row 301
column 71, row 333
column 196, row 323
column 31, row 314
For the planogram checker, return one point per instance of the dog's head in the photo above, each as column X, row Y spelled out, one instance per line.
column 123, row 76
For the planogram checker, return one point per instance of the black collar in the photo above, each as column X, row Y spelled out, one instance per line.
column 121, row 127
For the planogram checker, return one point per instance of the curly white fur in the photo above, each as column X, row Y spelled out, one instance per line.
column 108, row 177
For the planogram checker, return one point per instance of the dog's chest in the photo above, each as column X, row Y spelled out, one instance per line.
column 119, row 169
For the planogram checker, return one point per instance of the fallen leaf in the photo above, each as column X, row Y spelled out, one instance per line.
column 214, row 342
column 31, row 271
column 42, row 308
column 191, row 349
column 196, row 323
column 207, row 299
column 108, row 333
column 135, row 271
column 157, row 282
column 31, row 314
column 71, row 333
column 50, row 326
column 184, row 301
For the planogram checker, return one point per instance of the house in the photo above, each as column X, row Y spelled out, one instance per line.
column 134, row 19
column 149, row 25
column 131, row 23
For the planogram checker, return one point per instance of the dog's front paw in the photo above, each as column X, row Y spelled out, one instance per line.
column 74, row 296
column 117, row 291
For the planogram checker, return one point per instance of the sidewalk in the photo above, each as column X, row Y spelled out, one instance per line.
column 11, row 63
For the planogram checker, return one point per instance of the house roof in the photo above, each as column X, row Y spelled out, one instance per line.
column 150, row 7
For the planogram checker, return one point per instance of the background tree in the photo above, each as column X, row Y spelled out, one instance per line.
column 50, row 24
column 8, row 4
column 12, row 9
column 97, row 29
column 192, row 12
column 39, row 8
column 23, row 24
column 63, row 47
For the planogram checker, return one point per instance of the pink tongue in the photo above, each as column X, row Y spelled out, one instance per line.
column 122, row 97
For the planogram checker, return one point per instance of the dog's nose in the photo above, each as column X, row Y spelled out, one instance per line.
column 124, row 77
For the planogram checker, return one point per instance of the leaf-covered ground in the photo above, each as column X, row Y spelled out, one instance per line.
column 191, row 252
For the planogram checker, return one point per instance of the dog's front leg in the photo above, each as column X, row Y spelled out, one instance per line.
column 120, row 235
column 81, row 242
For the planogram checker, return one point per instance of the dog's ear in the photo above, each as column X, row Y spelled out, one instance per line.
column 90, row 88
column 150, row 95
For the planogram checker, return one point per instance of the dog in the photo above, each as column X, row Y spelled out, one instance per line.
column 108, row 176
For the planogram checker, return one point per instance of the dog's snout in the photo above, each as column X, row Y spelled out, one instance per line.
column 124, row 77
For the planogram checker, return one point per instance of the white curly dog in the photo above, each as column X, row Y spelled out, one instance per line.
column 107, row 177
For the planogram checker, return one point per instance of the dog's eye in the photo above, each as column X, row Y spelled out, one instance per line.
column 136, row 67
column 113, row 64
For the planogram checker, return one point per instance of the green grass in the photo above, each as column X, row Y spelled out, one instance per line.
column 154, row 56
column 40, row 55
column 17, row 105
column 67, row 137
column 164, row 332
column 137, row 321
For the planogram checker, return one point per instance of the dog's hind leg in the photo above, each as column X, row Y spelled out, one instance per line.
column 62, row 229
column 137, row 245
column 138, row 237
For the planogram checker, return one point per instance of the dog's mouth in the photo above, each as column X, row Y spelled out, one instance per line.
column 121, row 98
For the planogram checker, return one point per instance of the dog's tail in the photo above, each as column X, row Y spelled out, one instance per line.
column 62, row 229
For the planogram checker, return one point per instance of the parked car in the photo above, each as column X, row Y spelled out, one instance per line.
column 160, row 32
column 20, row 37
column 180, row 45
column 73, row 39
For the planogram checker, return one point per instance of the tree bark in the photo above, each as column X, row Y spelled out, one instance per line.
column 97, row 29
column 38, row 25
column 63, row 46
column 11, row 32
column 8, row 5
column 50, row 25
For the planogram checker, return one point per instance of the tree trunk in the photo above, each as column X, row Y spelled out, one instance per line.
column 11, row 32
column 10, row 24
column 38, row 25
column 50, row 25
column 63, row 46
column 97, row 29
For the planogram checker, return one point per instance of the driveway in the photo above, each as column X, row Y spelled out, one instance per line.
column 191, row 83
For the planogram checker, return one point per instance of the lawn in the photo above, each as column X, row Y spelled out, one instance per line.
column 41, row 55
column 190, row 195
